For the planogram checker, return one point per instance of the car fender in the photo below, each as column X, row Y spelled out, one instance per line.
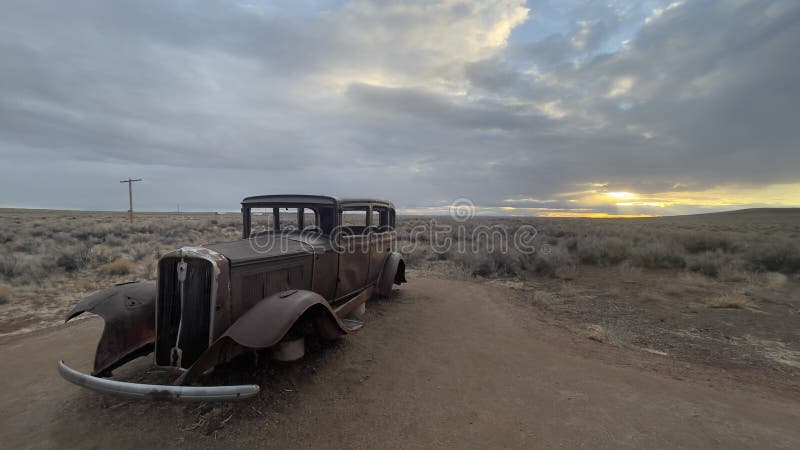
column 128, row 310
column 266, row 324
column 393, row 272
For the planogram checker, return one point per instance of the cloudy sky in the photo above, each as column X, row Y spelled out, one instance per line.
column 540, row 107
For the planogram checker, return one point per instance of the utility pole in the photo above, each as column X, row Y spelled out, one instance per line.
column 130, row 182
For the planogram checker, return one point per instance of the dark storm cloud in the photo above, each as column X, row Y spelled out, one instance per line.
column 715, row 85
column 424, row 105
column 421, row 103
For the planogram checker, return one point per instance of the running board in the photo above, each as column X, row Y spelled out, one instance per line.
column 349, row 306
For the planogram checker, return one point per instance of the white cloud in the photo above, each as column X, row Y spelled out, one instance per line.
column 658, row 12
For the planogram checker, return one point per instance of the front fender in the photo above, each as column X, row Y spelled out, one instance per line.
column 129, row 313
column 266, row 324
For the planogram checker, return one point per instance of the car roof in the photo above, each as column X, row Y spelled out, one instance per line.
column 303, row 199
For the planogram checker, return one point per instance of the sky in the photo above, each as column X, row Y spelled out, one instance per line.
column 553, row 107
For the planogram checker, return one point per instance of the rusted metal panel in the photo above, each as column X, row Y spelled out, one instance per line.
column 291, row 199
column 253, row 282
column 255, row 250
column 326, row 267
column 353, row 264
column 129, row 332
column 380, row 247
column 266, row 323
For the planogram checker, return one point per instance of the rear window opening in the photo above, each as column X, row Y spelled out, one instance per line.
column 283, row 219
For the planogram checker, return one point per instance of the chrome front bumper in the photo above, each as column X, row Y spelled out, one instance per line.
column 157, row 392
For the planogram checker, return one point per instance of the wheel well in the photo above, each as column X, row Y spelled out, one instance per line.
column 400, row 274
column 318, row 320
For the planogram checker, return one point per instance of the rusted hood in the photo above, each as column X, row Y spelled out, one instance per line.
column 248, row 251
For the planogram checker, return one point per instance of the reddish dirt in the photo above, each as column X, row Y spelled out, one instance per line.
column 442, row 364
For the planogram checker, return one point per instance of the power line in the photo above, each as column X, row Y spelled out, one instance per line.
column 130, row 182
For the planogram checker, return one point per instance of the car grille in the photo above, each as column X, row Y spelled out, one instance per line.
column 193, row 320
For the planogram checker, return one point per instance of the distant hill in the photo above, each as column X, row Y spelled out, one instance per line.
column 748, row 215
column 756, row 211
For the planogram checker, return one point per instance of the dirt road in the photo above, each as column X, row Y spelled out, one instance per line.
column 443, row 364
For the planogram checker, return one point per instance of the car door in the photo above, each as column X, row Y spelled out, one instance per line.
column 381, row 238
column 354, row 249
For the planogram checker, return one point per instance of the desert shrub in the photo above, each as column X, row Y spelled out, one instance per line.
column 114, row 241
column 709, row 263
column 8, row 266
column 776, row 257
column 73, row 259
column 465, row 261
column 657, row 255
column 119, row 266
column 140, row 251
column 416, row 255
column 566, row 272
column 603, row 252
column 705, row 242
column 499, row 263
column 556, row 262
column 150, row 269
column 24, row 269
column 96, row 231
column 572, row 245
column 5, row 293
column 28, row 245
column 141, row 238
column 629, row 271
column 732, row 300
column 544, row 298
column 146, row 228
column 438, row 256
column 608, row 333
column 102, row 253
column 734, row 272
column 483, row 263
column 6, row 237
column 774, row 280
column 63, row 238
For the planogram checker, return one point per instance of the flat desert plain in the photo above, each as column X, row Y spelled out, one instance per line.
column 659, row 332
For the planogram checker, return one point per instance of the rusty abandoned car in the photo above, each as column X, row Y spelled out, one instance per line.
column 305, row 264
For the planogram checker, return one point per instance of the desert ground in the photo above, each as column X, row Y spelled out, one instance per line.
column 656, row 332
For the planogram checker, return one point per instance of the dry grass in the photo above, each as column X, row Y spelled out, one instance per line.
column 568, row 290
column 119, row 266
column 607, row 334
column 652, row 296
column 5, row 293
column 544, row 298
column 774, row 280
column 629, row 273
column 729, row 300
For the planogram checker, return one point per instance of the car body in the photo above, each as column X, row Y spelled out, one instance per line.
column 305, row 263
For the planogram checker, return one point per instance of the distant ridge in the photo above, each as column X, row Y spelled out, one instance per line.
column 761, row 211
column 747, row 211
